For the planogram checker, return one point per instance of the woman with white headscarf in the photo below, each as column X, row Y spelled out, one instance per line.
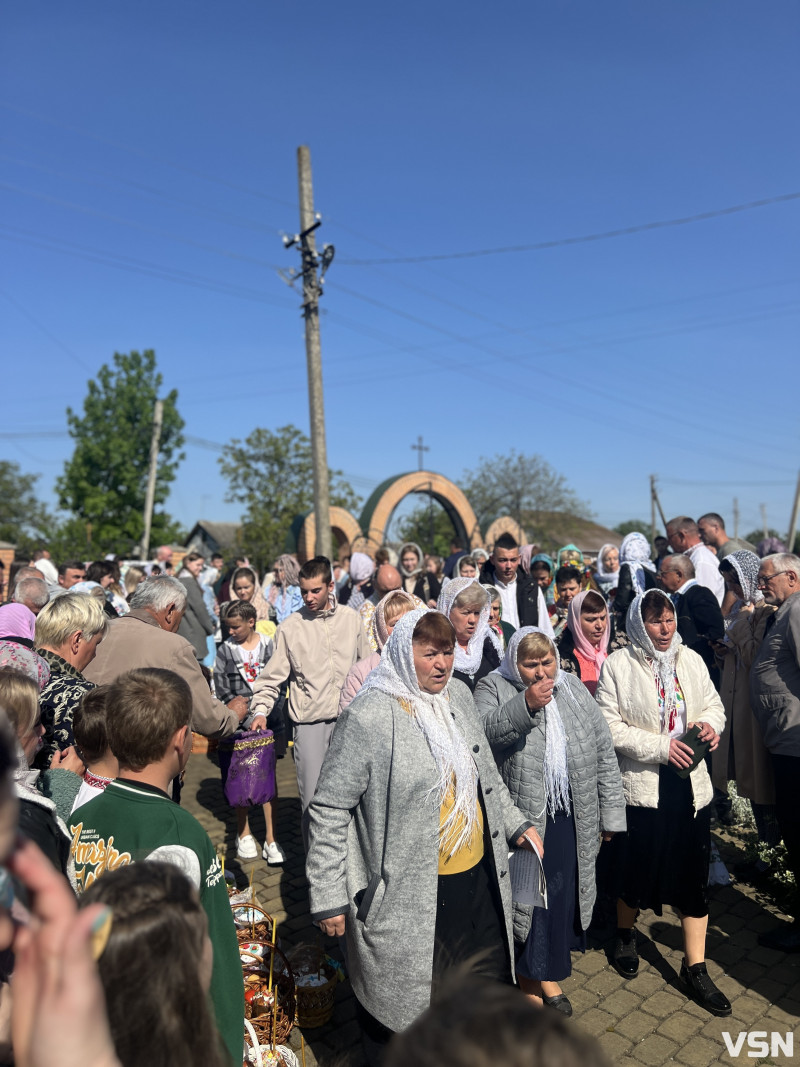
column 652, row 693
column 358, row 586
column 555, row 754
column 410, row 829
column 607, row 570
column 479, row 649
column 741, row 756
column 393, row 606
column 637, row 574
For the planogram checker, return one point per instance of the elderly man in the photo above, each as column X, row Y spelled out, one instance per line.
column 32, row 592
column 386, row 580
column 147, row 637
column 68, row 632
column 696, row 609
column 775, row 699
column 684, row 536
column 712, row 532
column 520, row 594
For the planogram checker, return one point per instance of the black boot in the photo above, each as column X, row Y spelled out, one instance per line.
column 625, row 957
column 703, row 990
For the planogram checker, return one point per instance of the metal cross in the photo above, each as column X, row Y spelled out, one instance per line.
column 419, row 448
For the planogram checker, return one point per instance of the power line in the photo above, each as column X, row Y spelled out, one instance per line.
column 605, row 235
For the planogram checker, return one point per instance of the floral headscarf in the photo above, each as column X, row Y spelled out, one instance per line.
column 379, row 633
column 746, row 565
column 456, row 770
column 257, row 599
column 468, row 662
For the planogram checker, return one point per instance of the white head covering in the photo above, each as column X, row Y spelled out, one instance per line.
column 456, row 770
column 468, row 662
column 662, row 664
column 556, row 773
column 635, row 553
column 605, row 579
column 361, row 566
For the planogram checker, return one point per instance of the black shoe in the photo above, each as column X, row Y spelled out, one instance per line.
column 559, row 1003
column 703, row 990
column 625, row 957
column 784, row 938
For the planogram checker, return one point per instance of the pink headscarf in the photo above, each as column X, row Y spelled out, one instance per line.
column 583, row 645
column 17, row 621
column 525, row 554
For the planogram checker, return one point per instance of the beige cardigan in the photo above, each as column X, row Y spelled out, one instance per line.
column 627, row 697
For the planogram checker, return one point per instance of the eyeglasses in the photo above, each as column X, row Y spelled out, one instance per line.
column 765, row 579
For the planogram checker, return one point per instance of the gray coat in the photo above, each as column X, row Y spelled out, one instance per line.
column 374, row 846
column 517, row 737
column 196, row 624
column 775, row 681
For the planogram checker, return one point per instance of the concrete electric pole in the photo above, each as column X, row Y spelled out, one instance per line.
column 312, row 287
column 155, row 443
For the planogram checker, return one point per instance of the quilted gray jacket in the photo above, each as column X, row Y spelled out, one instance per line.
column 517, row 737
column 374, row 846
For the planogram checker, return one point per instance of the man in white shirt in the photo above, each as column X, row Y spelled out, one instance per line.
column 522, row 598
column 684, row 536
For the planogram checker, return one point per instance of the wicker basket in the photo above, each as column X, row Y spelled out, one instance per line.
column 256, row 973
column 249, row 931
column 202, row 745
column 314, row 1003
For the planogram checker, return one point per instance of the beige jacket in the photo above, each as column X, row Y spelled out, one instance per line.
column 314, row 653
column 627, row 697
column 136, row 640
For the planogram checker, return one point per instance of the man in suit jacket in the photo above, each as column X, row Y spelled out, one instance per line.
column 696, row 609
column 147, row 637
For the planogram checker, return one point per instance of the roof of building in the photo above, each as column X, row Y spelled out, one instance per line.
column 226, row 534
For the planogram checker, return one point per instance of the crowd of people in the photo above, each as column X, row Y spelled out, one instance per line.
column 591, row 710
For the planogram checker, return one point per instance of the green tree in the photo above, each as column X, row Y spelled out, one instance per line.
column 525, row 487
column 635, row 526
column 271, row 474
column 24, row 519
column 416, row 527
column 104, row 484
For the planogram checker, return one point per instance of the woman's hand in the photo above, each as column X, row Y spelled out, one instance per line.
column 606, row 835
column 333, row 927
column 531, row 840
column 707, row 733
column 680, row 755
column 539, row 694
column 68, row 760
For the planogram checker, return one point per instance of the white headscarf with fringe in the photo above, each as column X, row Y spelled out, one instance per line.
column 468, row 662
column 455, row 767
column 555, row 770
column 662, row 664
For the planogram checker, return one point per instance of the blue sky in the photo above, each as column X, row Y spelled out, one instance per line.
column 162, row 138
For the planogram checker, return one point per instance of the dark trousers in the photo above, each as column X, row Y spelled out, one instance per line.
column 787, row 807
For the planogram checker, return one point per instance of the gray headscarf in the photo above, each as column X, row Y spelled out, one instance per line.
column 746, row 565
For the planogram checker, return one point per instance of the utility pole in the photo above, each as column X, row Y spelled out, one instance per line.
column 419, row 448
column 764, row 520
column 312, row 288
column 793, row 522
column 653, row 512
column 155, row 442
column 735, row 516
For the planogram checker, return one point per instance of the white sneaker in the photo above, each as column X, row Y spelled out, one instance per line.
column 273, row 854
column 246, row 848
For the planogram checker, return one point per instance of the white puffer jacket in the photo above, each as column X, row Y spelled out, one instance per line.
column 627, row 697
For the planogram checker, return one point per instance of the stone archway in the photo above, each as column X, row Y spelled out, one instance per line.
column 505, row 524
column 302, row 536
column 378, row 509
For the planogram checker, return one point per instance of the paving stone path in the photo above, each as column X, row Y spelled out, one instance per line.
column 645, row 1021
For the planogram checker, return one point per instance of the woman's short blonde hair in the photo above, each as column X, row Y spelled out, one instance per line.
column 133, row 575
column 19, row 698
column 473, row 598
column 537, row 646
column 395, row 607
column 68, row 614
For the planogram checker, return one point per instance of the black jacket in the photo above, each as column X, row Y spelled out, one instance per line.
column 527, row 593
column 626, row 593
column 489, row 662
column 699, row 621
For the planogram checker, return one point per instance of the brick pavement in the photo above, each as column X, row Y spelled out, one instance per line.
column 647, row 1021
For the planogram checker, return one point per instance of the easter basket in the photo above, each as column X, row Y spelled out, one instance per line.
column 316, row 976
column 260, row 1054
column 252, row 923
column 271, row 1012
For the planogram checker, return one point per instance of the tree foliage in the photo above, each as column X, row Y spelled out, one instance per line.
column 271, row 475
column 522, row 486
column 416, row 527
column 104, row 483
column 635, row 526
column 24, row 519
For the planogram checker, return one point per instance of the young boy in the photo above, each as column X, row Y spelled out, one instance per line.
column 91, row 740
column 314, row 649
column 134, row 819
column 568, row 585
column 240, row 660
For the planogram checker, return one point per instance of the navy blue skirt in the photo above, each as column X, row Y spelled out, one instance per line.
column 555, row 931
